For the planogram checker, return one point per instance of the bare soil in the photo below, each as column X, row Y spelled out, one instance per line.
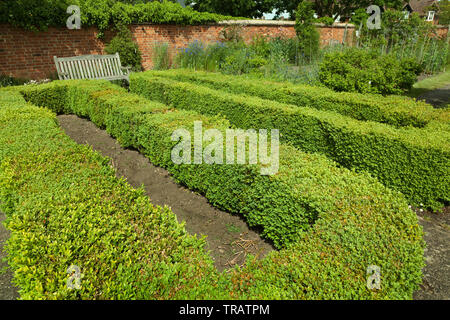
column 436, row 274
column 7, row 290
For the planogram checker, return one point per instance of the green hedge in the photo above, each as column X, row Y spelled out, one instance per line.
column 149, row 126
column 394, row 110
column 66, row 207
column 358, row 221
column 413, row 161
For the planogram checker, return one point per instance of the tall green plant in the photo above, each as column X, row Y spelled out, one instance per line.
column 307, row 33
column 407, row 37
column 161, row 58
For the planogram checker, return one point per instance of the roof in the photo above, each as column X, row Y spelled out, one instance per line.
column 421, row 6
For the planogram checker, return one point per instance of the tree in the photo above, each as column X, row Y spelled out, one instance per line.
column 236, row 8
column 309, row 37
column 444, row 12
column 335, row 8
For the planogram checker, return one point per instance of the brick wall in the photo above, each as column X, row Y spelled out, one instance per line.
column 28, row 54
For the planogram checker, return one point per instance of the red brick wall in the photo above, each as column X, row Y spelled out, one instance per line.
column 179, row 37
column 27, row 54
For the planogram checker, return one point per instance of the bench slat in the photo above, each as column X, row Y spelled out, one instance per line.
column 81, row 70
column 110, row 69
column 70, row 69
column 86, row 68
column 90, row 67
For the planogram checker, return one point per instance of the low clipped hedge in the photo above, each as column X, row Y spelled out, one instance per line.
column 413, row 161
column 358, row 222
column 394, row 110
column 66, row 207
column 149, row 126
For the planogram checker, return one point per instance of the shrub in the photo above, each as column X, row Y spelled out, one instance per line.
column 66, row 207
column 410, row 37
column 359, row 221
column 227, row 57
column 413, row 161
column 393, row 110
column 6, row 81
column 238, row 62
column 128, row 50
column 359, row 70
column 192, row 57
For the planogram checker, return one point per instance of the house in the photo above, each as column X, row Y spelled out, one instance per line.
column 428, row 9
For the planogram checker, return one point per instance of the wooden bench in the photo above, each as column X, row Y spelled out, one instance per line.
column 107, row 67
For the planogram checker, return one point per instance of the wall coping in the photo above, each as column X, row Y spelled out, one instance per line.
column 281, row 23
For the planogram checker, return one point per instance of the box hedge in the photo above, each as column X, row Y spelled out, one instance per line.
column 60, row 197
column 413, row 161
column 394, row 110
column 65, row 207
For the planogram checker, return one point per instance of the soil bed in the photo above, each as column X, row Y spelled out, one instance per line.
column 436, row 274
column 7, row 290
column 229, row 238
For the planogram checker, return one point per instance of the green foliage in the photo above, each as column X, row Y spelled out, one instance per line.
column 363, row 71
column 65, row 207
column 39, row 15
column 334, row 8
column 128, row 50
column 239, row 8
column 411, row 38
column 358, row 222
column 264, row 57
column 444, row 12
column 413, row 161
column 6, row 81
column 161, row 58
column 309, row 37
column 326, row 20
column 232, row 34
column 230, row 57
column 393, row 110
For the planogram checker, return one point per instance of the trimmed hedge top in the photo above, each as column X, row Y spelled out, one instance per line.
column 394, row 110
column 60, row 197
column 413, row 161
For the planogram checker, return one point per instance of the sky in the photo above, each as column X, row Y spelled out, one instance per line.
column 269, row 16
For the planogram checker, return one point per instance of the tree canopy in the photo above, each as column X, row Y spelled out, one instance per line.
column 334, row 8
column 237, row 8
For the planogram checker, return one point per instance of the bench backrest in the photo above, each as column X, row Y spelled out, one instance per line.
column 106, row 67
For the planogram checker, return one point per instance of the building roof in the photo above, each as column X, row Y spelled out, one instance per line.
column 421, row 6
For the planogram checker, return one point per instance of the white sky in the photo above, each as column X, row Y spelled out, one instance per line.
column 269, row 16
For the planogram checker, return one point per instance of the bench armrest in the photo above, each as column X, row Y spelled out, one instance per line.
column 127, row 69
